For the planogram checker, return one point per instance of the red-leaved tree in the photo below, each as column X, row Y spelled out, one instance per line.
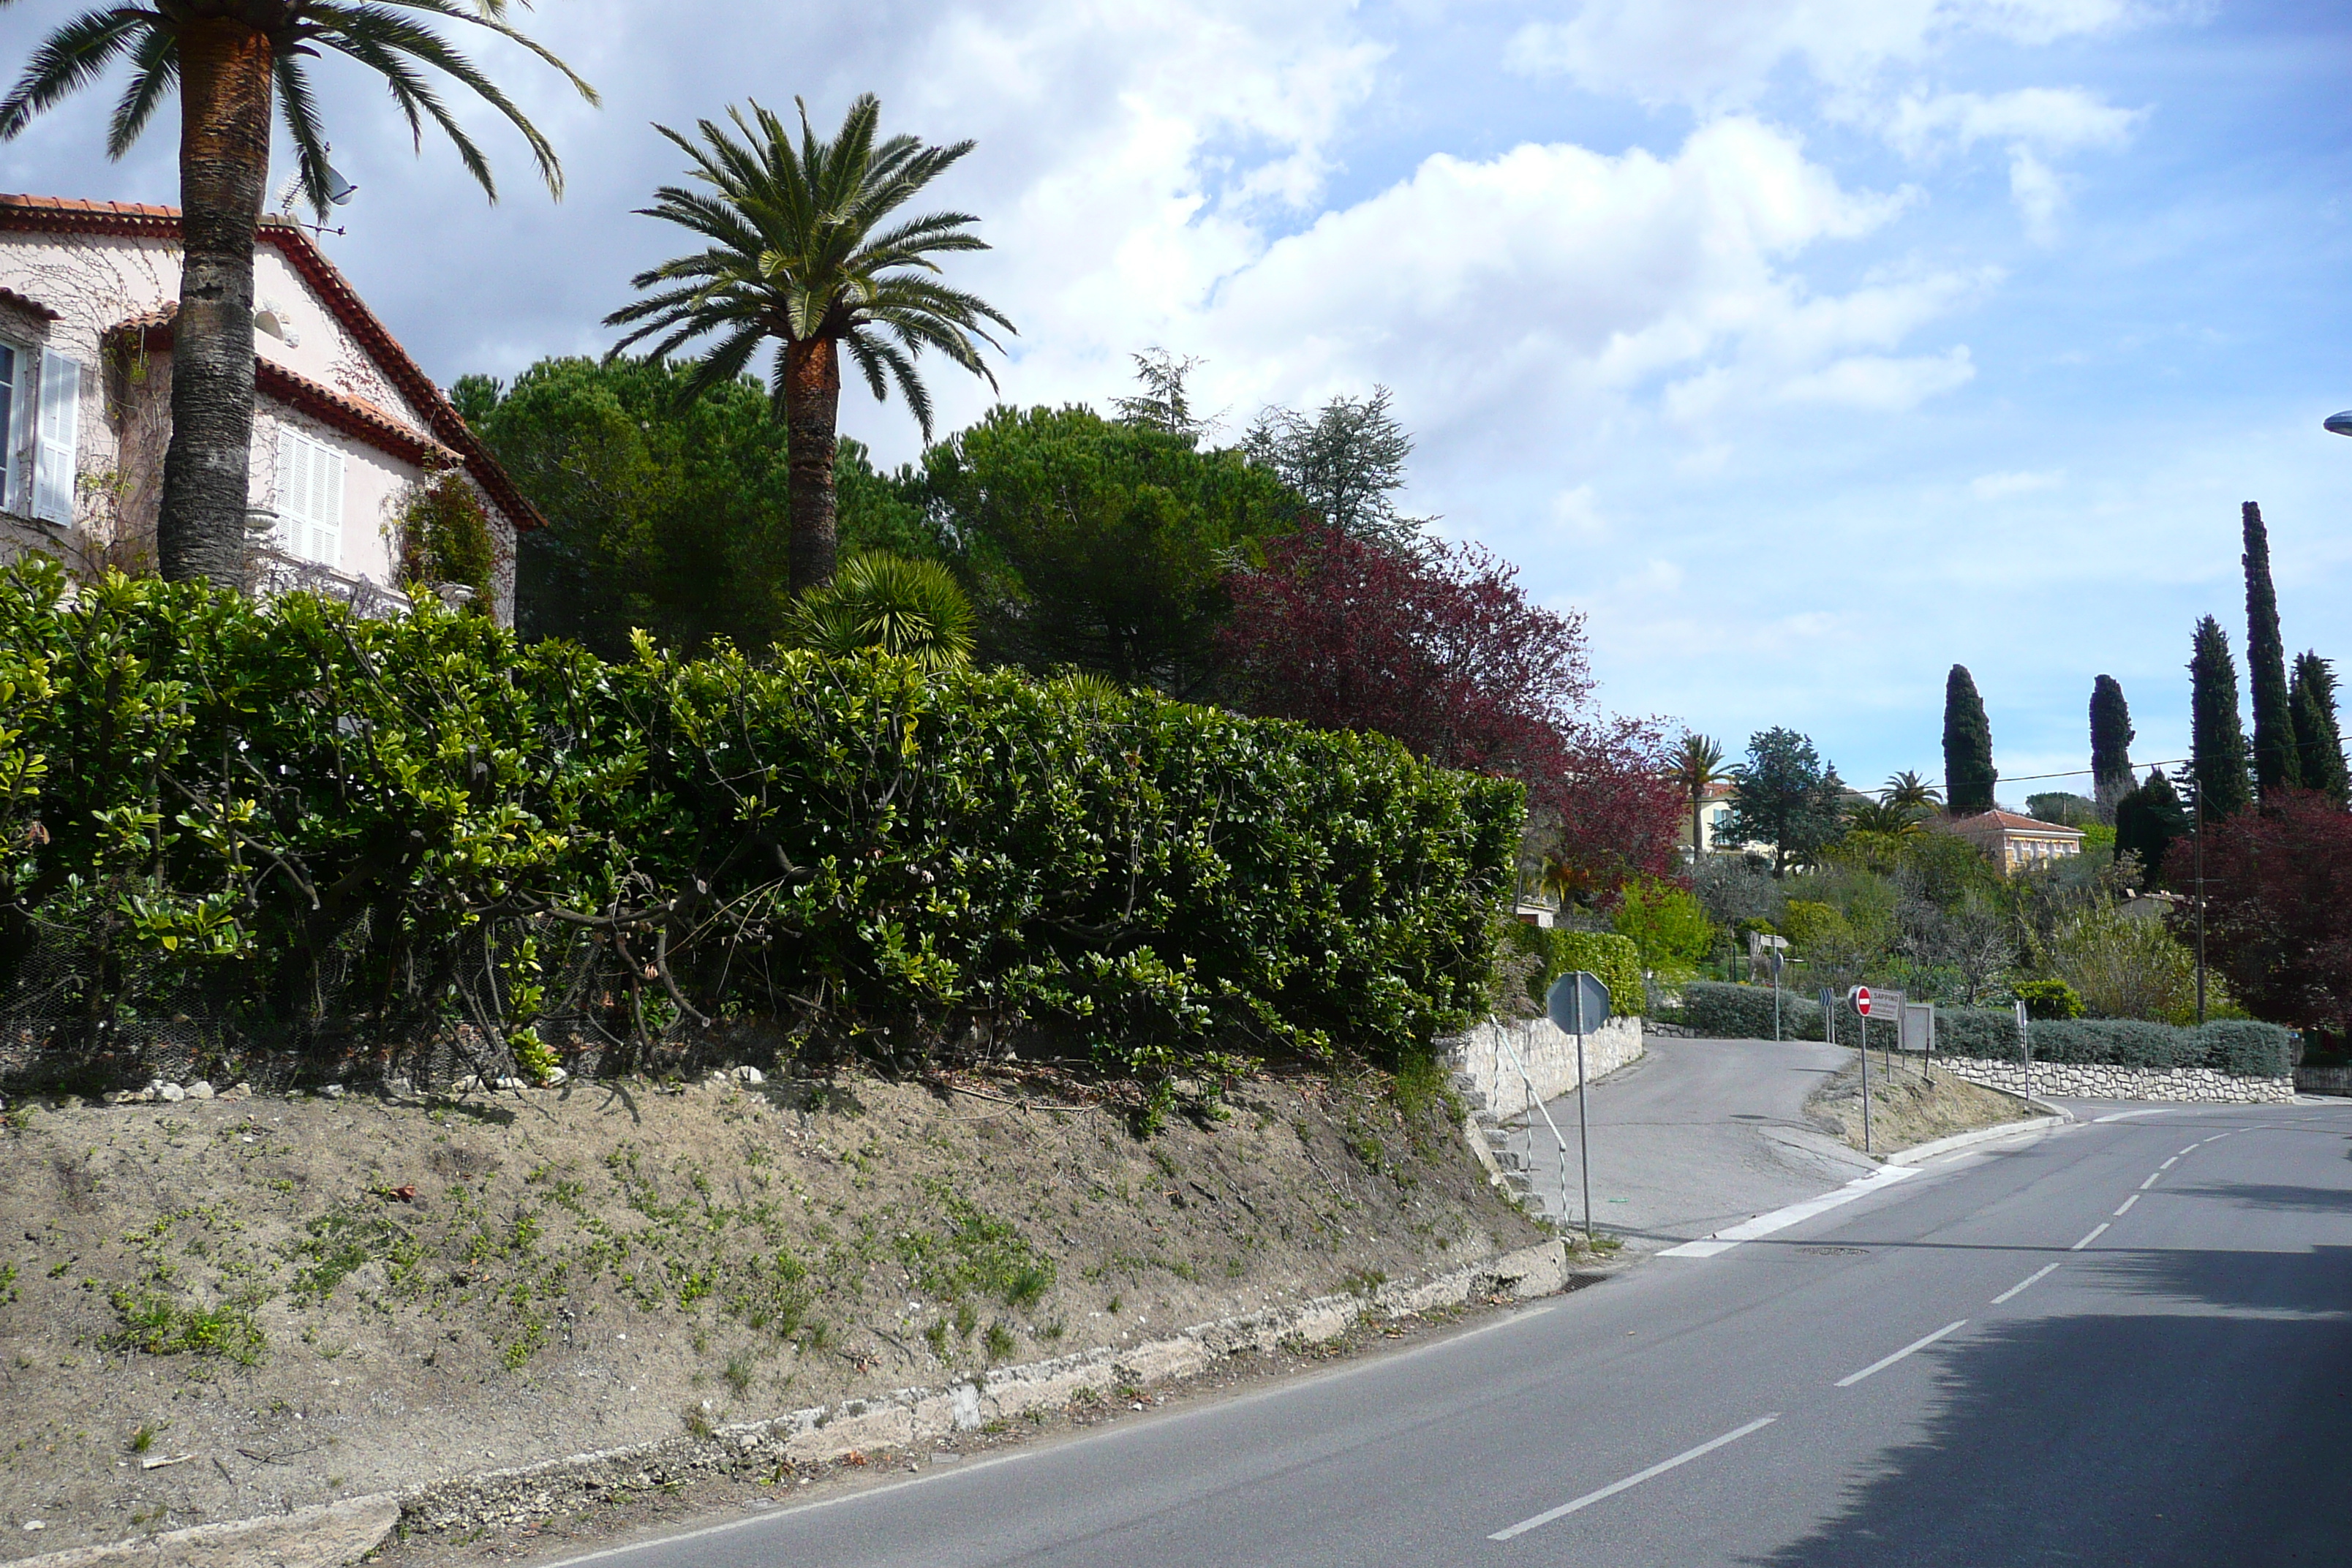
column 1444, row 651
column 2278, row 909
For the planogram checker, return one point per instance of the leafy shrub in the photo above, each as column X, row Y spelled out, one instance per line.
column 287, row 817
column 1611, row 957
column 2048, row 999
column 1721, row 1012
column 1667, row 926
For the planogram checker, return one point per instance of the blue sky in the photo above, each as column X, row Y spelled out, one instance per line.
column 1807, row 346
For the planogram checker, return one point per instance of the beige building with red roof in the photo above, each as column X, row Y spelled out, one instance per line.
column 2018, row 843
column 345, row 424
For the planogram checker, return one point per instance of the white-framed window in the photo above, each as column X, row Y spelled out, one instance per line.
column 56, row 439
column 13, row 365
column 309, row 498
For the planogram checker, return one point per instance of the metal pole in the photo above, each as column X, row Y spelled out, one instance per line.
column 1865, row 1082
column 1776, row 996
column 1583, row 1141
column 2201, row 901
column 2025, row 1044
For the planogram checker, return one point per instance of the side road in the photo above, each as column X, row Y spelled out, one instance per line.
column 1696, row 1135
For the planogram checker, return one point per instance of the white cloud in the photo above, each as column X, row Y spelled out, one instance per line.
column 1715, row 53
column 2052, row 120
column 2000, row 487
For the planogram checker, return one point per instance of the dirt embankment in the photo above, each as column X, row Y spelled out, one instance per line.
column 216, row 1308
column 1909, row 1105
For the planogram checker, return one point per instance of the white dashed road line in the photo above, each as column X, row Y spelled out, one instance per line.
column 1635, row 1479
column 2090, row 1238
column 2127, row 1203
column 2018, row 1287
column 1884, row 1361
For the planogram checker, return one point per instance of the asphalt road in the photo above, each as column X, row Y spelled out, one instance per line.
column 2169, row 1384
column 1694, row 1135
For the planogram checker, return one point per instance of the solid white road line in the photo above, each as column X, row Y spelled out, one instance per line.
column 2018, row 1287
column 1731, row 1236
column 1884, row 1361
column 2127, row 1203
column 2127, row 1115
column 1589, row 1499
column 2090, row 1238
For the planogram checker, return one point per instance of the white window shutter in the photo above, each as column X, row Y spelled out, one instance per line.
column 287, row 534
column 59, row 430
column 327, row 514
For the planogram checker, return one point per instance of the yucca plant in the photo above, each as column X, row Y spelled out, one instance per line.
column 914, row 609
column 232, row 61
column 800, row 256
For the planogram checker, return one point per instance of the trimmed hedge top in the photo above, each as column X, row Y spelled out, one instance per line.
column 283, row 813
column 2240, row 1047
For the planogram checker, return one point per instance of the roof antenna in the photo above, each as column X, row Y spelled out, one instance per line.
column 340, row 192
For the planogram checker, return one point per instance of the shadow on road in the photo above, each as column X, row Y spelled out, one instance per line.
column 2209, row 1429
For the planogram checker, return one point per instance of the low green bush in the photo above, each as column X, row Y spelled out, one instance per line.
column 2233, row 1046
column 1614, row 958
column 1724, row 1012
column 2049, row 999
column 320, row 829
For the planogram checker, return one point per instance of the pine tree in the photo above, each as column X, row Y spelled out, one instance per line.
column 2147, row 820
column 2111, row 738
column 2217, row 738
column 2275, row 760
column 2318, row 737
column 1968, row 775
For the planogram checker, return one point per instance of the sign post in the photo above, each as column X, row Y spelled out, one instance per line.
column 1578, row 1002
column 1860, row 997
column 2025, row 1044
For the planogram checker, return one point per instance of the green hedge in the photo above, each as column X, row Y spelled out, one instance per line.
column 2231, row 1046
column 1614, row 958
column 349, row 831
column 1723, row 1012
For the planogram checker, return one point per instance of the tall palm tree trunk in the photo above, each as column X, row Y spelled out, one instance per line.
column 1697, row 795
column 811, row 403
column 225, row 103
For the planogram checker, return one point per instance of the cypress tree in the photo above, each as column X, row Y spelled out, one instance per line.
column 2147, row 820
column 2318, row 737
column 2111, row 738
column 2217, row 738
column 1968, row 776
column 2275, row 760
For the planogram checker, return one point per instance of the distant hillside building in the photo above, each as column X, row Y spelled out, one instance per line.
column 2017, row 843
column 345, row 424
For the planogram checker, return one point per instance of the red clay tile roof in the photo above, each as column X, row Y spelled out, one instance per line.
column 2009, row 821
column 10, row 297
column 69, row 214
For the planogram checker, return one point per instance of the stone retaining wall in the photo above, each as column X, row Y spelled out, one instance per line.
column 1484, row 1056
column 2103, row 1080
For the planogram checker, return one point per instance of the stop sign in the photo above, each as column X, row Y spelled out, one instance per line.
column 1860, row 995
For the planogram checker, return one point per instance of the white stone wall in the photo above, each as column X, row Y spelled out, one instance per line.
column 1485, row 1057
column 2101, row 1081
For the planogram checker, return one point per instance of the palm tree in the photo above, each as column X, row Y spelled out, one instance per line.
column 228, row 59
column 798, row 255
column 1698, row 765
column 1885, row 818
column 1909, row 790
column 914, row 609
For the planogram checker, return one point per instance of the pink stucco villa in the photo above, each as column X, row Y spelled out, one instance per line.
column 345, row 424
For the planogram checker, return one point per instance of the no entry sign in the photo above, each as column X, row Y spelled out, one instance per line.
column 1859, row 996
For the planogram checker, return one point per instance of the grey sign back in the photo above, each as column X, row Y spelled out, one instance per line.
column 1577, row 1002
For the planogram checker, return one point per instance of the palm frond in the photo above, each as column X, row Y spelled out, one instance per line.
column 70, row 60
column 154, row 72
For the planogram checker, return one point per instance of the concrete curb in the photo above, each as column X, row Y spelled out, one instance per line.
column 1959, row 1141
column 327, row 1535
column 500, row 1499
